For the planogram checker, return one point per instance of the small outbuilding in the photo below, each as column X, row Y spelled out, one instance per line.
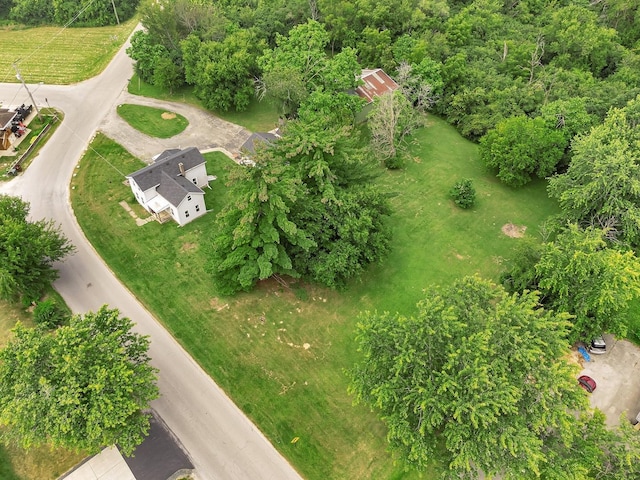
column 171, row 187
column 259, row 140
column 375, row 83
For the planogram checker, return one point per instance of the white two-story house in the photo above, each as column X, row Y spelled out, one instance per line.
column 171, row 187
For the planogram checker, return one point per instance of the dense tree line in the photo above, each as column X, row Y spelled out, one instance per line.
column 89, row 13
column 494, row 59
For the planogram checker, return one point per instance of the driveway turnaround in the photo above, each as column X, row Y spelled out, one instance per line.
column 205, row 131
column 616, row 374
column 221, row 441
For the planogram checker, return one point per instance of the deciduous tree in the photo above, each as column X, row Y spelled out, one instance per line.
column 580, row 273
column 602, row 184
column 147, row 54
column 299, row 65
column 82, row 387
column 521, row 147
column 476, row 373
column 351, row 232
column 28, row 250
column 223, row 72
column 390, row 121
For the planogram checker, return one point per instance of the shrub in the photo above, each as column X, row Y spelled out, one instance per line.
column 49, row 314
column 394, row 163
column 463, row 193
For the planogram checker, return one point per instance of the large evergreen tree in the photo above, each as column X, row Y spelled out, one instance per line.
column 255, row 228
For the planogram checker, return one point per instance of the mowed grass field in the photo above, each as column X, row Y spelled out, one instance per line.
column 282, row 353
column 59, row 56
column 151, row 121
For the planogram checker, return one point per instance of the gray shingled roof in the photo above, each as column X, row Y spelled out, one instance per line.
column 250, row 144
column 151, row 175
column 174, row 189
column 5, row 117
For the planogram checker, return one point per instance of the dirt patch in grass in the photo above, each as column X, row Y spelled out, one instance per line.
column 514, row 231
column 168, row 115
column 188, row 246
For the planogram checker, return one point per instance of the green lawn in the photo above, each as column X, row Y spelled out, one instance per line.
column 151, row 121
column 259, row 117
column 55, row 55
column 281, row 353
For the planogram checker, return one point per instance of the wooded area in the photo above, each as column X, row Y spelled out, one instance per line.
column 549, row 89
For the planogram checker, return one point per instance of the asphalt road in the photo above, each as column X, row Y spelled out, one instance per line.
column 222, row 442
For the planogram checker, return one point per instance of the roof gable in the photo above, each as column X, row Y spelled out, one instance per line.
column 174, row 189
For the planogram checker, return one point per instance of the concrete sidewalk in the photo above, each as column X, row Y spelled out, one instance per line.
column 107, row 465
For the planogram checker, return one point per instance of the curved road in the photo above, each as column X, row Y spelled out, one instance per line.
column 222, row 442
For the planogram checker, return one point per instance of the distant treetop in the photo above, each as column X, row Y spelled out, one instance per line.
column 85, row 13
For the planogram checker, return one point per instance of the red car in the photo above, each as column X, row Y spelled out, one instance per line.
column 588, row 383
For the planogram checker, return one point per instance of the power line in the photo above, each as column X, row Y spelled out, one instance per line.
column 73, row 132
column 41, row 46
column 66, row 25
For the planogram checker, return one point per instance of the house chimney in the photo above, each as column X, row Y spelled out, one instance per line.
column 181, row 167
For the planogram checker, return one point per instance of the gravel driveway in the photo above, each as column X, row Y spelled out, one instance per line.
column 205, row 131
column 617, row 375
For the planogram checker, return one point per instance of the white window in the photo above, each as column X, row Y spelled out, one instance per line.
column 188, row 198
column 186, row 213
column 195, row 181
column 197, row 208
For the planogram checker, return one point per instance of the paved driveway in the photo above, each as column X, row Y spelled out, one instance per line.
column 617, row 375
column 107, row 465
column 204, row 131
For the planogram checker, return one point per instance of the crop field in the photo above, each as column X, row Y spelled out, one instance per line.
column 54, row 55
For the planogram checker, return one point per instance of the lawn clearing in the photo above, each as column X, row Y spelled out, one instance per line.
column 259, row 117
column 151, row 121
column 54, row 55
column 436, row 241
column 281, row 353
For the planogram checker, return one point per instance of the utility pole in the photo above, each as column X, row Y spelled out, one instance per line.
column 115, row 11
column 33, row 102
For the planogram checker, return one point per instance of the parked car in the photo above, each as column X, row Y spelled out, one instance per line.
column 598, row 346
column 588, row 383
